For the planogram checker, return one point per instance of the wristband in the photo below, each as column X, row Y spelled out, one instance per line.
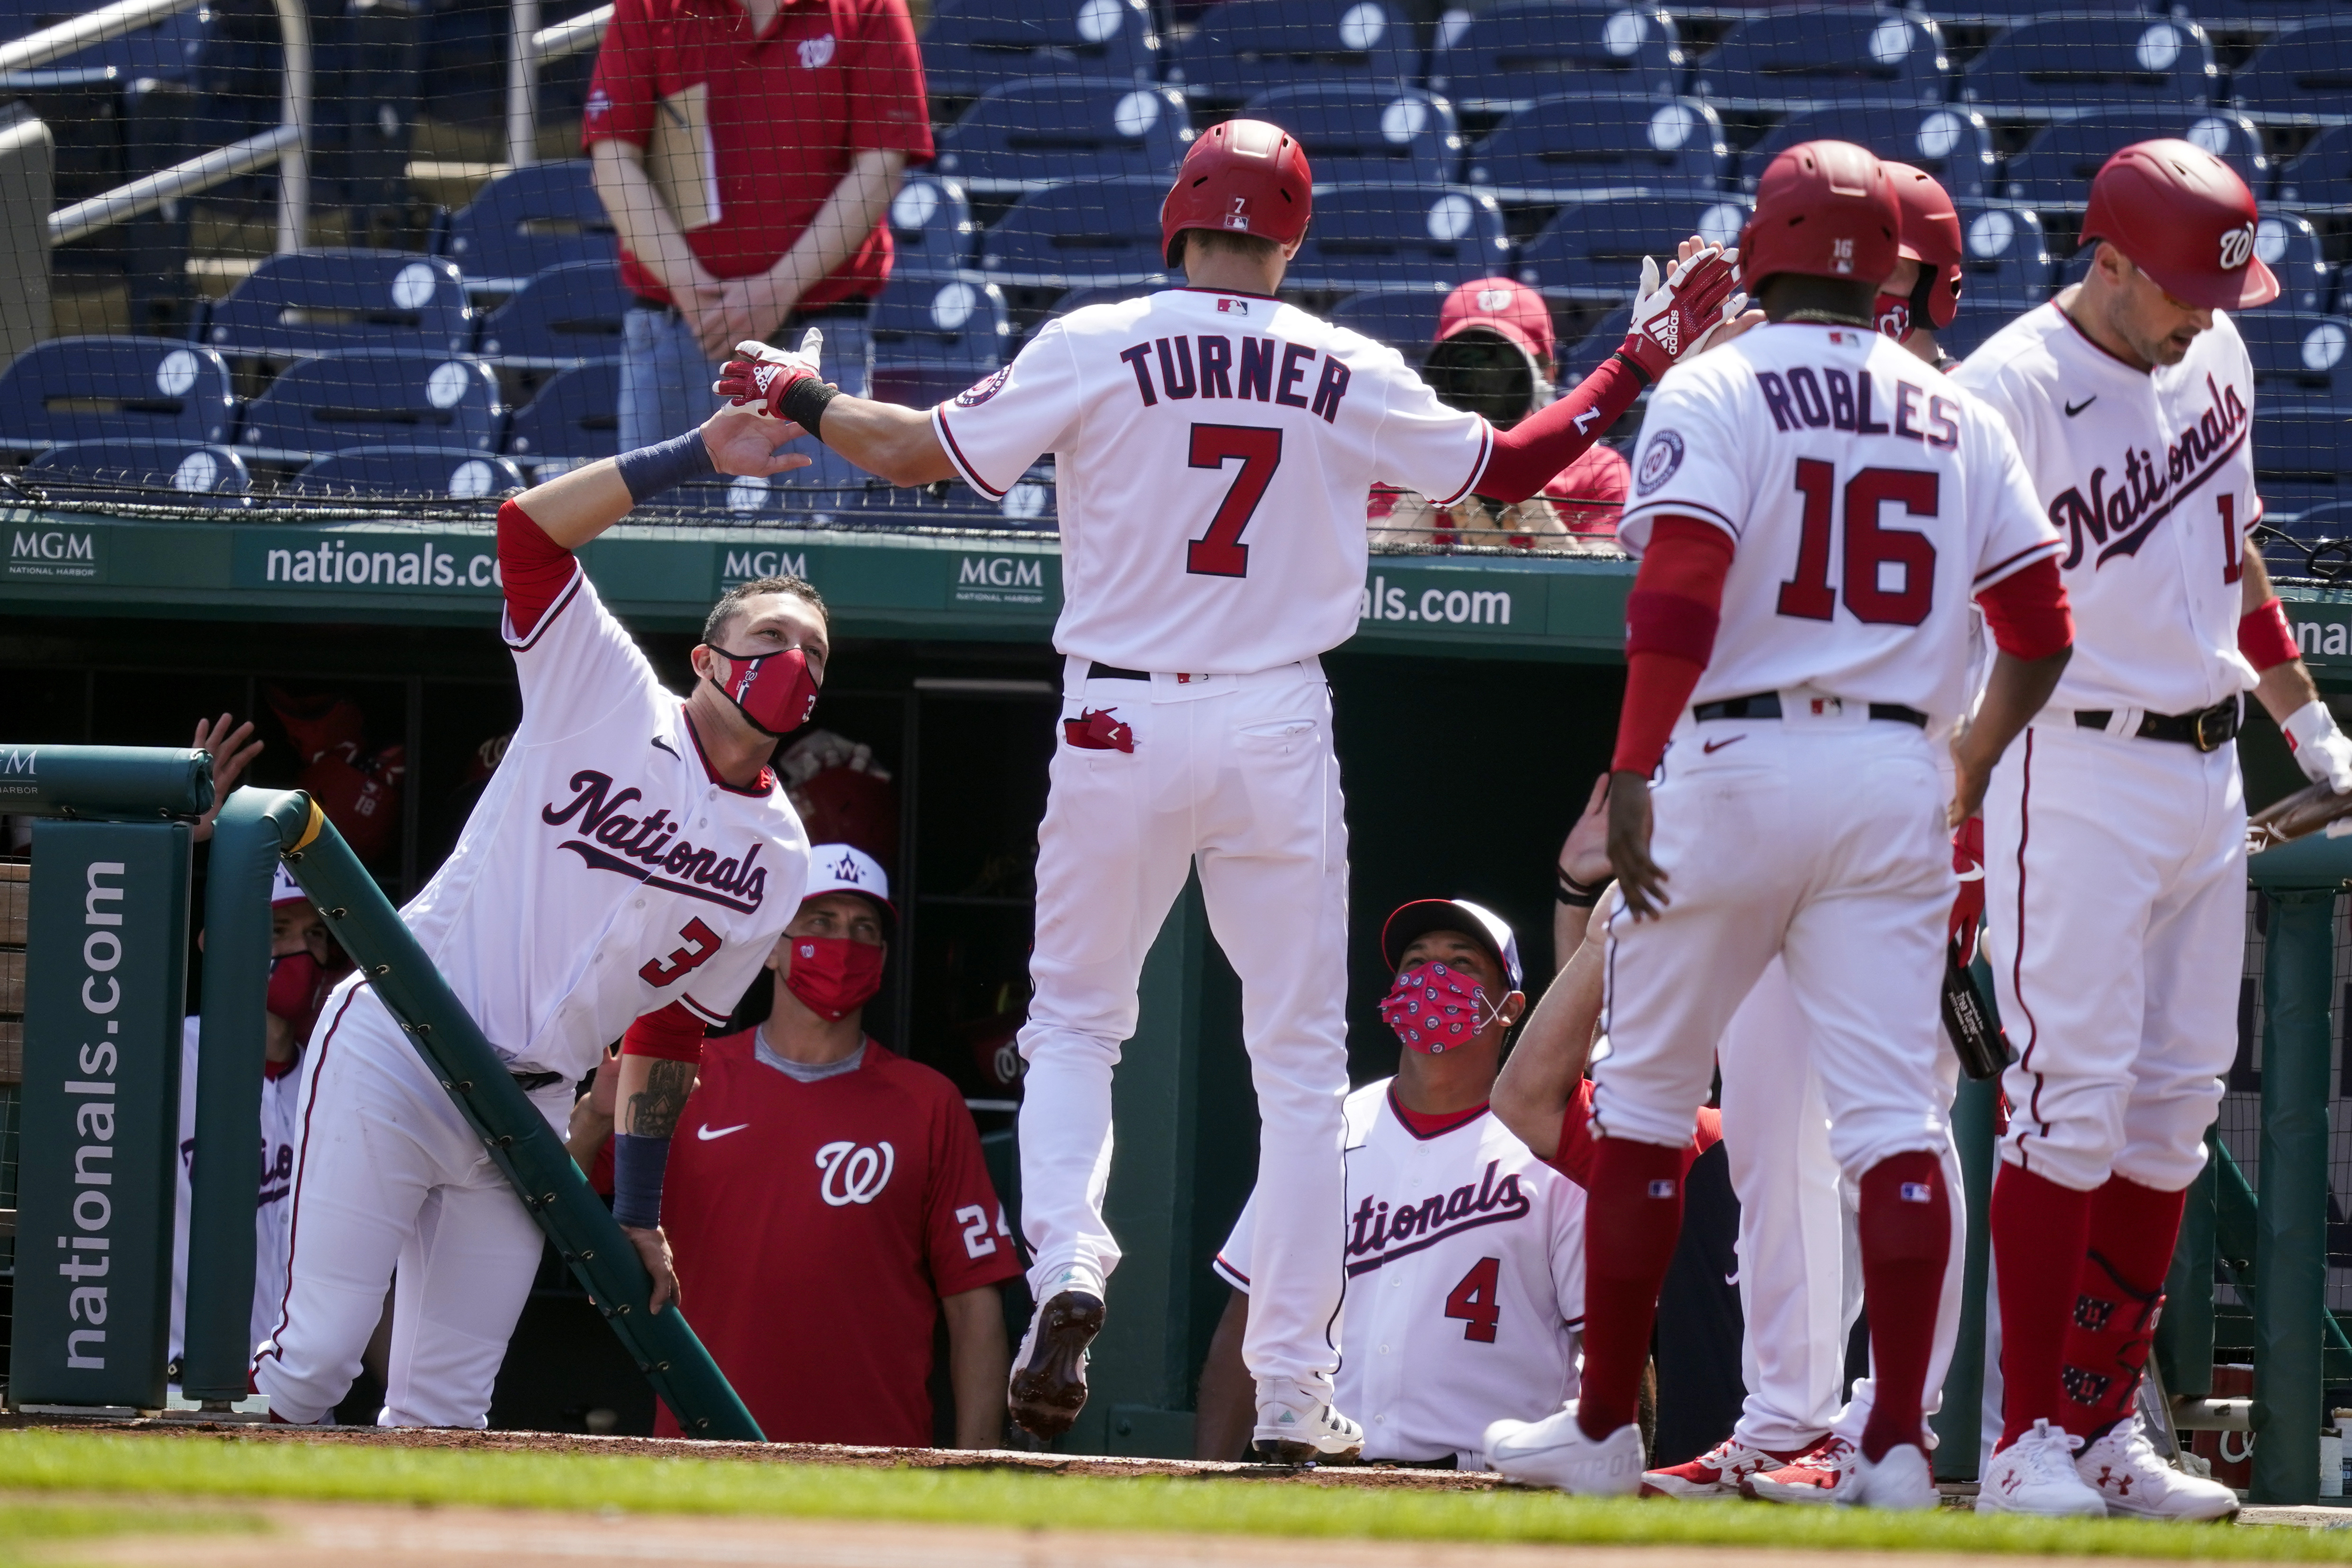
column 1574, row 894
column 638, row 1164
column 2308, row 725
column 803, row 402
column 2265, row 638
column 1633, row 365
column 650, row 470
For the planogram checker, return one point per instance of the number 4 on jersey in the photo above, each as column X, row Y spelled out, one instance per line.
column 1478, row 1301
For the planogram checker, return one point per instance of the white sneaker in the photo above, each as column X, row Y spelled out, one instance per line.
column 2123, row 1470
column 1715, row 1476
column 2036, row 1475
column 1555, row 1452
column 1295, row 1428
column 1823, row 1474
column 1900, row 1480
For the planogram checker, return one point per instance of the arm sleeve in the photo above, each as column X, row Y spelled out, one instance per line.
column 2027, row 612
column 1529, row 455
column 622, row 92
column 1670, row 624
column 1233, row 1261
column 963, row 1223
column 533, row 569
column 993, row 432
column 672, row 1034
column 889, row 110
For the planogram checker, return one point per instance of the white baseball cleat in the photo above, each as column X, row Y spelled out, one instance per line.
column 1900, row 1479
column 2123, row 1469
column 1295, row 1428
column 1823, row 1474
column 1715, row 1476
column 1555, row 1452
column 2036, row 1475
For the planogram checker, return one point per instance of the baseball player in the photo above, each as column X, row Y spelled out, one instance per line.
column 2114, row 834
column 1814, row 509
column 626, row 869
column 1213, row 452
column 1464, row 1253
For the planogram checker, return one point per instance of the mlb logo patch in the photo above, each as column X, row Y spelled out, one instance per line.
column 1232, row 306
column 1661, row 1188
column 1916, row 1192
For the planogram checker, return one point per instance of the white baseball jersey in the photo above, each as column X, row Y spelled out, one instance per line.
column 605, row 872
column 280, row 1128
column 1465, row 1282
column 1212, row 456
column 1869, row 500
column 2150, row 478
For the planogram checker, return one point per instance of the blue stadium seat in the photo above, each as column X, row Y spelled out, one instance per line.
column 1563, row 148
column 2289, row 247
column 107, row 389
column 1953, row 143
column 1403, row 319
column 932, row 233
column 322, row 301
column 450, row 473
column 1508, row 55
column 1244, row 48
column 974, row 45
column 2055, row 171
column 931, row 340
column 206, row 475
column 2319, row 178
column 168, row 50
column 1787, row 58
column 1594, row 251
column 574, row 419
column 2303, row 457
column 1043, row 130
column 1382, row 236
column 338, row 401
column 562, row 316
column 1367, row 133
column 2057, row 66
column 2008, row 267
column 2299, row 70
column 1106, row 294
column 2299, row 356
column 1084, row 235
column 526, row 221
column 1604, row 337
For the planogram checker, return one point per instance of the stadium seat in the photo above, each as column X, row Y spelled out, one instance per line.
column 2008, row 267
column 974, row 45
column 442, row 472
column 339, row 400
column 167, row 50
column 1788, row 58
column 1403, row 319
column 1084, row 235
column 1382, row 236
column 2057, row 66
column 1043, row 130
column 1952, row 143
column 2299, row 70
column 933, row 339
column 322, row 301
column 2319, row 178
column 204, row 475
column 2291, row 248
column 562, row 316
column 574, row 419
column 526, row 221
column 1367, row 133
column 107, row 389
column 2303, row 457
column 1108, row 294
column 1560, row 149
column 1596, row 342
column 2299, row 356
column 1244, row 48
column 1594, row 251
column 2053, row 173
column 931, row 229
column 1506, row 56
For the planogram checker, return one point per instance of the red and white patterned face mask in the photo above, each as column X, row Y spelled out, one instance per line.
column 1435, row 1007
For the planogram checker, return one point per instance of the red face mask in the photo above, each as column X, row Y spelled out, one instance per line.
column 774, row 690
column 294, row 983
column 1435, row 1007
column 1893, row 314
column 833, row 976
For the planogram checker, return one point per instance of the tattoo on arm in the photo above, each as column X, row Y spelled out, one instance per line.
column 655, row 1110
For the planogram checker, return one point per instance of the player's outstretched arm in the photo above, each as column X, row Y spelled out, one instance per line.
column 2284, row 686
column 574, row 507
column 1535, row 1085
column 888, row 441
column 1582, row 871
column 2034, row 630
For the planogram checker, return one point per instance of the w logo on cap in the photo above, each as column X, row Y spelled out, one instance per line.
column 2237, row 247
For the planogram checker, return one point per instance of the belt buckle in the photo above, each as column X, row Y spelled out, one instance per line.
column 2212, row 726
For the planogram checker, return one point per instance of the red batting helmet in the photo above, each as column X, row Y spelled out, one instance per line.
column 1244, row 176
column 2186, row 219
column 1930, row 236
column 1825, row 209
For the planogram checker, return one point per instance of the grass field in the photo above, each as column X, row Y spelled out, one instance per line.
column 153, row 1467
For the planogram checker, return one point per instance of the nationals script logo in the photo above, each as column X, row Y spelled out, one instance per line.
column 2117, row 521
column 1382, row 1235
column 648, row 849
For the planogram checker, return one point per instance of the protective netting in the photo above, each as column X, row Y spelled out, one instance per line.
column 424, row 251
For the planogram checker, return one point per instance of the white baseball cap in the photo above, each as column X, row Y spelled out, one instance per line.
column 284, row 890
column 846, row 868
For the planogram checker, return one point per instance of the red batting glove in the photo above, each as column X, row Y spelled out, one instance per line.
column 1676, row 317
column 1969, row 906
column 760, row 374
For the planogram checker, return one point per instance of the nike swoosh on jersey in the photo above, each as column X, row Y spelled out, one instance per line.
column 704, row 1133
column 664, row 745
column 1714, row 746
column 2075, row 408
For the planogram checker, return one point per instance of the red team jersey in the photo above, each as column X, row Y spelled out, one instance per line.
column 867, row 1191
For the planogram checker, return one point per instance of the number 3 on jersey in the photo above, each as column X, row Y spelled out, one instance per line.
column 1877, row 596
column 1220, row 553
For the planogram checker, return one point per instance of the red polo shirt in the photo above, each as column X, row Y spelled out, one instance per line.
column 788, row 110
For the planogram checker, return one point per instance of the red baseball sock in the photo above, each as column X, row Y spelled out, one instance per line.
column 1907, row 1238
column 2118, row 1294
column 2040, row 1230
column 1634, row 1213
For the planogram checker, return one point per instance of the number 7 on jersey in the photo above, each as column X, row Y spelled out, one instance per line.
column 1220, row 553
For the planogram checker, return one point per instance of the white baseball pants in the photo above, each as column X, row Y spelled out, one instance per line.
column 385, row 1172
column 2116, row 899
column 1235, row 775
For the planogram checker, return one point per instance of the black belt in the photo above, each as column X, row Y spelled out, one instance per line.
column 834, row 311
column 1112, row 672
column 1766, row 705
column 529, row 1082
column 2208, row 728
